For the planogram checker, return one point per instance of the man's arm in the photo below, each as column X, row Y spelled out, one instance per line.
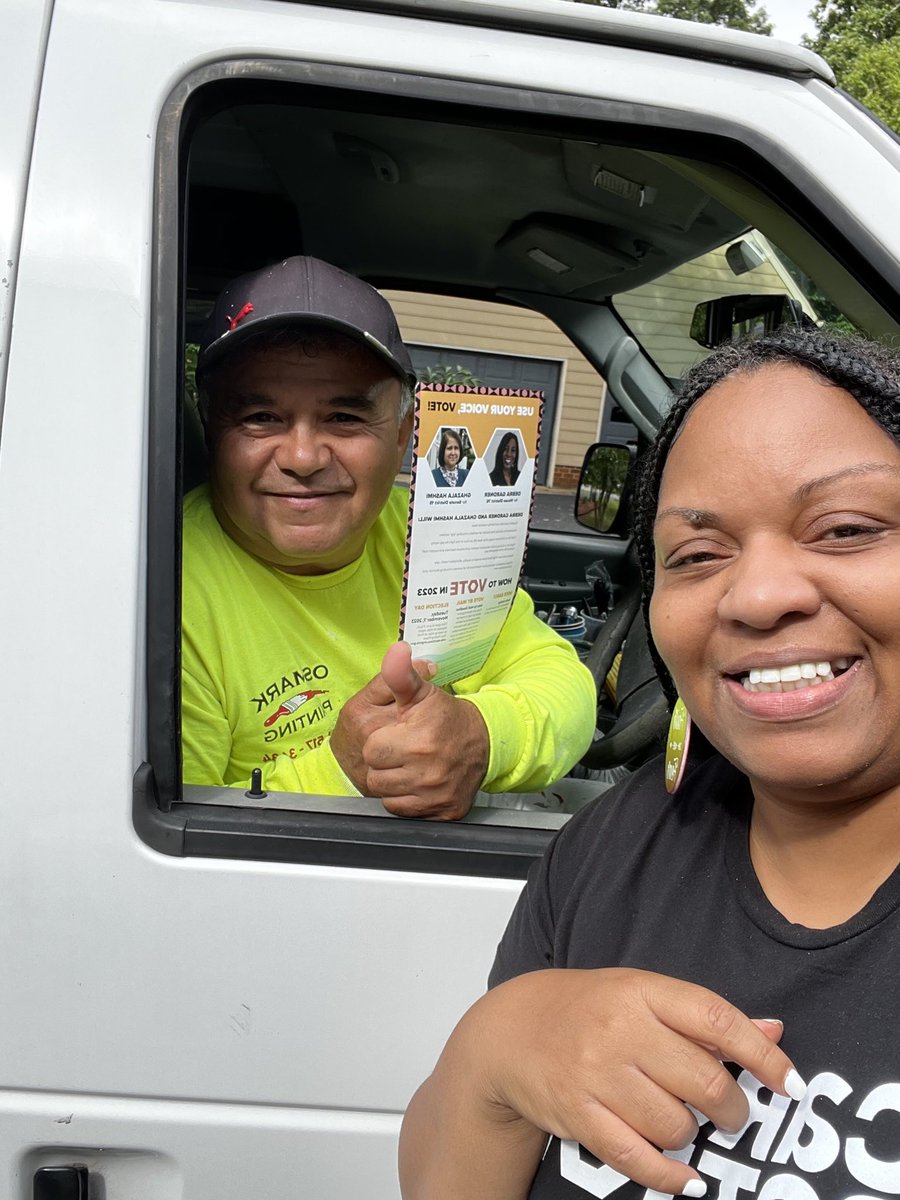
column 538, row 702
column 518, row 724
column 407, row 766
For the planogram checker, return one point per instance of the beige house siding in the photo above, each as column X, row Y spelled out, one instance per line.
column 660, row 312
column 455, row 323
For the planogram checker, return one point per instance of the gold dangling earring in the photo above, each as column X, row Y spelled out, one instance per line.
column 677, row 743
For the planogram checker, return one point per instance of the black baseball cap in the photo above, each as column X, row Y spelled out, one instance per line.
column 303, row 291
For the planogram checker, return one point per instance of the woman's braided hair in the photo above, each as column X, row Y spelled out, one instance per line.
column 870, row 372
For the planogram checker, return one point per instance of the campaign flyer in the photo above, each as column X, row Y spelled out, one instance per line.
column 474, row 453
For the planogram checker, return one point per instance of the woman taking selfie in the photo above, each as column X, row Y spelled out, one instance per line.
column 751, row 917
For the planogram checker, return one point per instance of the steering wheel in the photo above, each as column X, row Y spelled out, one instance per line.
column 642, row 710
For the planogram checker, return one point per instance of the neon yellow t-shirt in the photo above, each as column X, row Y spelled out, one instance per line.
column 269, row 658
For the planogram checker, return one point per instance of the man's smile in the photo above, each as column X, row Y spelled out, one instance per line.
column 312, row 494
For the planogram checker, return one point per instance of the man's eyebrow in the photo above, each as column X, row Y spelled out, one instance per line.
column 241, row 400
column 806, row 489
column 364, row 402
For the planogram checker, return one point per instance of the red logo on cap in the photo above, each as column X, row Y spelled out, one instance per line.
column 245, row 311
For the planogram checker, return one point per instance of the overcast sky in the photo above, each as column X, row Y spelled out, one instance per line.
column 790, row 18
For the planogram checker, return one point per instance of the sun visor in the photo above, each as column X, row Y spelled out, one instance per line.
column 566, row 260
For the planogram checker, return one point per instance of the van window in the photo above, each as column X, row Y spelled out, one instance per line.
column 520, row 238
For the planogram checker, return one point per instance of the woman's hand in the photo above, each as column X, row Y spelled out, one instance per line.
column 608, row 1058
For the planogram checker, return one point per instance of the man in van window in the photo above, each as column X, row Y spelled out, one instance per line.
column 293, row 566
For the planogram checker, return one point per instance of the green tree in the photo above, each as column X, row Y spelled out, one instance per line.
column 601, row 486
column 735, row 14
column 860, row 39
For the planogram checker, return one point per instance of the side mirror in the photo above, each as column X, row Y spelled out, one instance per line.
column 601, row 488
column 728, row 318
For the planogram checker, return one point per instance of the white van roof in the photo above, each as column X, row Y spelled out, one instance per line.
column 590, row 22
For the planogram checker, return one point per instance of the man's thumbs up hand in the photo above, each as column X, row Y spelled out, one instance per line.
column 423, row 751
column 376, row 706
column 430, row 761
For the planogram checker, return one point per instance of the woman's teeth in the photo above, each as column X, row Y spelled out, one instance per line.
column 798, row 675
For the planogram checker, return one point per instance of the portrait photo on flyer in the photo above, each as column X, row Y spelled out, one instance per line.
column 473, row 473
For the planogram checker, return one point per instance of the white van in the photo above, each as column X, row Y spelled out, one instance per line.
column 210, row 996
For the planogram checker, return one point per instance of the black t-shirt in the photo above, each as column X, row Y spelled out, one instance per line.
column 642, row 879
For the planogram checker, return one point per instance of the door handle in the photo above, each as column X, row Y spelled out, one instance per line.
column 60, row 1183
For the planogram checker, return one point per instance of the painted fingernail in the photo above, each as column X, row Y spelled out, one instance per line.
column 694, row 1187
column 794, row 1085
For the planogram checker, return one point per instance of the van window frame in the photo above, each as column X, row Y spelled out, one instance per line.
column 325, row 830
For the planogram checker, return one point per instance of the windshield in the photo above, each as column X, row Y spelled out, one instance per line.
column 662, row 315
